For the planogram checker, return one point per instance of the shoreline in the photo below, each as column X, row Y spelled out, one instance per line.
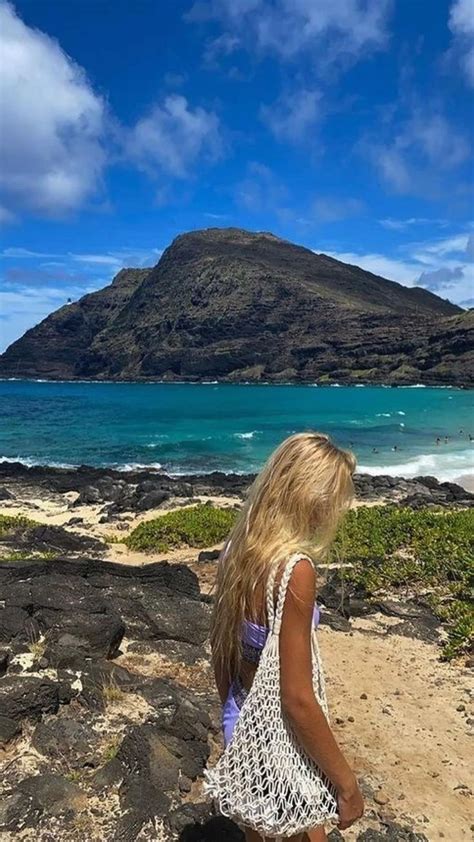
column 99, row 507
column 11, row 467
column 310, row 383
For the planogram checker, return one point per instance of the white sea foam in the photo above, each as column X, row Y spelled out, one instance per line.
column 32, row 463
column 383, row 414
column 444, row 466
column 138, row 466
column 245, row 435
column 399, row 412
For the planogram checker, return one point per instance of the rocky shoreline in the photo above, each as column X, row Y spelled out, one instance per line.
column 108, row 714
column 145, row 489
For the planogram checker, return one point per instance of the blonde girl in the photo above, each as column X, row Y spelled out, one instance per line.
column 293, row 506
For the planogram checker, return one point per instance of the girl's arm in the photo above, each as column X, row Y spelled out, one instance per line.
column 298, row 700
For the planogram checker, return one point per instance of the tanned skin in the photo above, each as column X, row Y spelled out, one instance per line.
column 299, row 703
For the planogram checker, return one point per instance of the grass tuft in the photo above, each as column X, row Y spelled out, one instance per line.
column 112, row 693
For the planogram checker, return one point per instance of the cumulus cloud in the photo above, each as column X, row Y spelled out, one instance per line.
column 294, row 115
column 345, row 28
column 52, row 124
column 173, row 137
column 461, row 24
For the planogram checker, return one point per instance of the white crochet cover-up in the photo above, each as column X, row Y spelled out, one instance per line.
column 264, row 780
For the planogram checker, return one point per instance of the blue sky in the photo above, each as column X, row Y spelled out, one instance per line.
column 343, row 125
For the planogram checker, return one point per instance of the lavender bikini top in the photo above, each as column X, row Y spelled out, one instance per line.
column 254, row 638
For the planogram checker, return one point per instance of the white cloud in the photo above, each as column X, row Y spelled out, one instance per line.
column 115, row 259
column 461, row 24
column 100, row 259
column 340, row 30
column 224, row 45
column 443, row 266
column 22, row 253
column 419, row 152
column 173, row 137
column 23, row 308
column 459, row 245
column 52, row 124
column 294, row 115
column 120, row 259
column 403, row 271
column 32, row 290
column 402, row 224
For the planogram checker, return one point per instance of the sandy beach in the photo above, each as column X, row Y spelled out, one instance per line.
column 466, row 481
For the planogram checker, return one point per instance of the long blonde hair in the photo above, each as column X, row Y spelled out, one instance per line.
column 293, row 505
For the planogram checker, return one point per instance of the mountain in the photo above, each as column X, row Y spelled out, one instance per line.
column 228, row 304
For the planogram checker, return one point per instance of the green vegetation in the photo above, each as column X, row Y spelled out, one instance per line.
column 111, row 748
column 196, row 526
column 426, row 550
column 10, row 522
column 24, row 555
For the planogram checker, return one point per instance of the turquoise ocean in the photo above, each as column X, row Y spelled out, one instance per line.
column 197, row 428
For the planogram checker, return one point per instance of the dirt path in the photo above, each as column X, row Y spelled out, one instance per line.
column 410, row 738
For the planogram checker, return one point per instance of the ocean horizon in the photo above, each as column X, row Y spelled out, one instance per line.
column 202, row 427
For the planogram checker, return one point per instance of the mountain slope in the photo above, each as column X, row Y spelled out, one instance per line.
column 53, row 348
column 230, row 304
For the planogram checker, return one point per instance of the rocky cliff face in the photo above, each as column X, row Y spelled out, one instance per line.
column 232, row 305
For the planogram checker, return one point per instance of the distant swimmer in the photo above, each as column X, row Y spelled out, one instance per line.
column 374, row 450
column 394, row 447
column 438, row 441
column 446, row 439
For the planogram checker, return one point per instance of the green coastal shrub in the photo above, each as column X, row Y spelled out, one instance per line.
column 432, row 551
column 196, row 526
column 10, row 522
